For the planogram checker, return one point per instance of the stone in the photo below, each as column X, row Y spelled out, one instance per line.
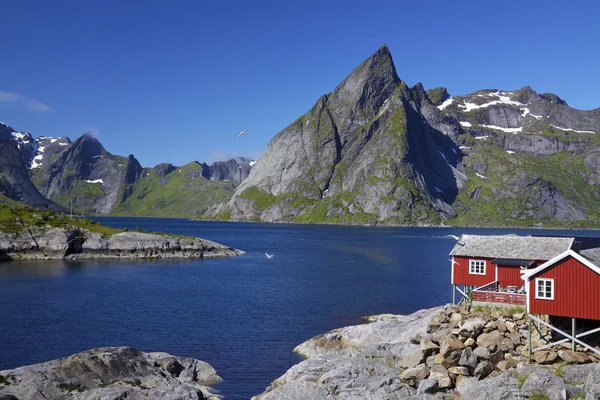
column 428, row 386
column 412, row 360
column 430, row 361
column 472, row 327
column 483, row 369
column 413, row 376
column 458, row 371
column 433, row 326
column 490, row 326
column 443, row 318
column 440, row 373
column 455, row 319
column 515, row 338
column 496, row 357
column 544, row 356
column 428, row 347
column 510, row 326
column 501, row 326
column 416, row 339
column 450, row 344
column 468, row 359
column 482, row 353
column 506, row 365
column 438, row 335
column 469, row 342
column 573, row 357
column 490, row 340
column 517, row 316
column 452, row 359
column 496, row 314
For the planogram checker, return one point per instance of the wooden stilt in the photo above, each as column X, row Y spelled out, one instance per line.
column 453, row 294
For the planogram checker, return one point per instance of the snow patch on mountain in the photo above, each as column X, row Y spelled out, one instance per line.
column 509, row 130
column 446, row 103
column 570, row 130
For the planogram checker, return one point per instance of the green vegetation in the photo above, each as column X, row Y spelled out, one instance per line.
column 435, row 95
column 4, row 380
column 14, row 219
column 68, row 387
column 521, row 378
column 182, row 193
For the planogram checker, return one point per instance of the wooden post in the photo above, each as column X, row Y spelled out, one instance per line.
column 573, row 334
column 529, row 337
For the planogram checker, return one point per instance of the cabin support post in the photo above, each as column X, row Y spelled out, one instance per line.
column 573, row 334
column 529, row 338
column 453, row 294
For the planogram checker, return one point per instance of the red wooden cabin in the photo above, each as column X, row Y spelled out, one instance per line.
column 489, row 267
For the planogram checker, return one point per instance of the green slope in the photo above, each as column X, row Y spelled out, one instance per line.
column 183, row 192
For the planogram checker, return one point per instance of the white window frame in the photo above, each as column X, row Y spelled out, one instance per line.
column 473, row 267
column 537, row 293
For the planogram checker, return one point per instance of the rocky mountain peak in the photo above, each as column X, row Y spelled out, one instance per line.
column 87, row 147
column 552, row 98
column 368, row 85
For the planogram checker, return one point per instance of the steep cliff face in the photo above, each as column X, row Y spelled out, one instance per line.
column 89, row 176
column 376, row 151
column 235, row 170
column 14, row 177
column 363, row 153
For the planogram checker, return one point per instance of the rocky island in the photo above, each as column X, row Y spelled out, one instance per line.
column 439, row 353
column 28, row 234
column 112, row 373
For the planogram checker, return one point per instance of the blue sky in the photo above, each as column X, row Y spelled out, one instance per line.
column 177, row 81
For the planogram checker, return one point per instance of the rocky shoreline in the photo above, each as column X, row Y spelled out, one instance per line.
column 439, row 353
column 35, row 243
column 112, row 373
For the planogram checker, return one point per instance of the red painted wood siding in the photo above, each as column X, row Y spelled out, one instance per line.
column 576, row 291
column 510, row 276
column 461, row 274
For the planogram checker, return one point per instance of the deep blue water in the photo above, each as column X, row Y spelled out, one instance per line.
column 243, row 315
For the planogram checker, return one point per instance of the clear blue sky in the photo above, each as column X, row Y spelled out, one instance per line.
column 177, row 81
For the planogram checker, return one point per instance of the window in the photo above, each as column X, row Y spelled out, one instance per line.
column 544, row 289
column 477, row 267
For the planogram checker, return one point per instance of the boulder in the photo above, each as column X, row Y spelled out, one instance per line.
column 469, row 342
column 510, row 326
column 569, row 356
column 428, row 347
column 458, row 371
column 413, row 376
column 428, row 386
column 472, row 327
column 496, row 357
column 443, row 318
column 452, row 359
column 544, row 356
column 592, row 383
column 518, row 316
column 433, row 326
column 468, row 359
column 505, row 365
column 482, row 353
column 501, row 326
column 490, row 340
column 455, row 319
column 440, row 373
column 483, row 369
column 412, row 360
column 450, row 344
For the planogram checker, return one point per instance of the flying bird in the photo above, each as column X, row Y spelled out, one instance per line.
column 243, row 133
column 269, row 255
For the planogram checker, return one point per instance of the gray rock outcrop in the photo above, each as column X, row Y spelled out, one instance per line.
column 38, row 243
column 112, row 373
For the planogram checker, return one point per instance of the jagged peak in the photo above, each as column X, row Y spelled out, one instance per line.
column 553, row 98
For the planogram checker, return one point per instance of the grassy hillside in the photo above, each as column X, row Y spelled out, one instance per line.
column 183, row 192
column 15, row 218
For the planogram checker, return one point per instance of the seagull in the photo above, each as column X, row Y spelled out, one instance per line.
column 269, row 255
column 243, row 132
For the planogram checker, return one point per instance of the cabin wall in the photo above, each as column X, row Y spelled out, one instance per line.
column 576, row 289
column 509, row 275
column 461, row 274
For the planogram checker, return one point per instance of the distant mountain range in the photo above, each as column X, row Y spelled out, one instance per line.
column 376, row 151
column 54, row 172
column 373, row 151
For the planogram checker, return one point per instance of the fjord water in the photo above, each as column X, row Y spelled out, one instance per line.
column 243, row 315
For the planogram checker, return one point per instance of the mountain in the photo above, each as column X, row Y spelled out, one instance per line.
column 88, row 175
column 15, row 183
column 85, row 175
column 377, row 151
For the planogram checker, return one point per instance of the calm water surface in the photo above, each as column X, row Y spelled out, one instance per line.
column 243, row 315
